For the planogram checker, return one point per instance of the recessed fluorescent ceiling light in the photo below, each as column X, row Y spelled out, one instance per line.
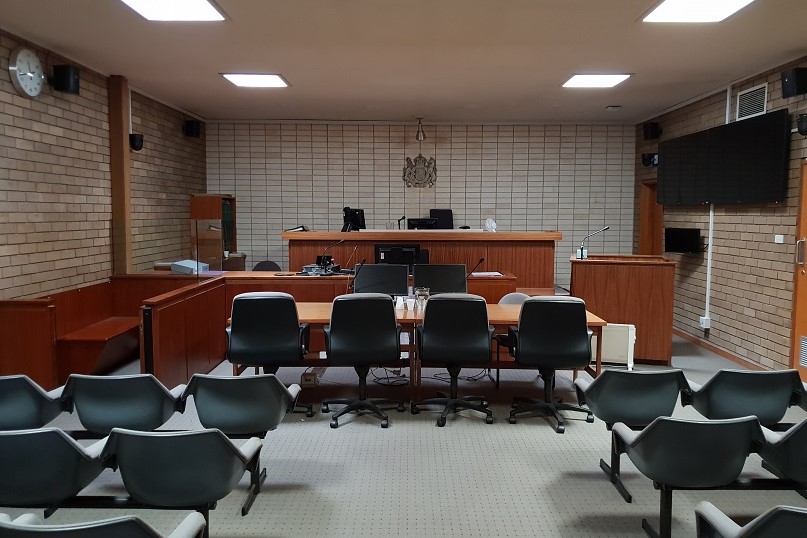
column 695, row 10
column 256, row 81
column 175, row 10
column 594, row 81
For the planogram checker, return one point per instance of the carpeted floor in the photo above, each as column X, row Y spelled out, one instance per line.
column 466, row 479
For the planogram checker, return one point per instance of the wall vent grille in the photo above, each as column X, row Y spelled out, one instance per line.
column 752, row 102
column 803, row 352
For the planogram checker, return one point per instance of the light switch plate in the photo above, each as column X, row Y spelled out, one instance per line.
column 779, row 239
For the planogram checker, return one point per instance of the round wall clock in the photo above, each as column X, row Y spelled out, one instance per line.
column 26, row 72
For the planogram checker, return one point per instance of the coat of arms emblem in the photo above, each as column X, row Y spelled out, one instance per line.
column 420, row 172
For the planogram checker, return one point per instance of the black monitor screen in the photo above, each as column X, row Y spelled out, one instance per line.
column 381, row 278
column 441, row 278
column 353, row 219
column 684, row 240
column 403, row 254
column 421, row 224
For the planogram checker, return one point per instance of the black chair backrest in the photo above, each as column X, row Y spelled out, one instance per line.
column 441, row 278
column 788, row 456
column 445, row 218
column 265, row 330
column 266, row 265
column 552, row 333
column 23, row 404
column 455, row 330
column 391, row 279
column 363, row 330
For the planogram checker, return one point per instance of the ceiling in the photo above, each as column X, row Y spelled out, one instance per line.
column 394, row 60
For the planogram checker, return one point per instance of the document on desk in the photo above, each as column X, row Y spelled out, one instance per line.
column 487, row 273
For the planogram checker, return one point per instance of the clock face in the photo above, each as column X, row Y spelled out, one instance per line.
column 26, row 72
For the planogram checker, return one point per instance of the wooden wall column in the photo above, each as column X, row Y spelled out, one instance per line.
column 120, row 172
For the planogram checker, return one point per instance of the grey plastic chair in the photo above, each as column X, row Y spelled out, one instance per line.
column 739, row 393
column 135, row 402
column 454, row 333
column 634, row 398
column 183, row 470
column 503, row 339
column 778, row 522
column 686, row 454
column 265, row 332
column 27, row 525
column 785, row 454
column 240, row 406
column 363, row 333
column 552, row 334
column 44, row 467
column 25, row 405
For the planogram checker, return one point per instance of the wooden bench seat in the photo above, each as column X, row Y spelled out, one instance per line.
column 99, row 347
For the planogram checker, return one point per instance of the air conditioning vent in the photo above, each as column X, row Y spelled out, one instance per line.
column 803, row 353
column 752, row 102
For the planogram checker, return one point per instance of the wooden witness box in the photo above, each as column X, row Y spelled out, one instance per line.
column 637, row 290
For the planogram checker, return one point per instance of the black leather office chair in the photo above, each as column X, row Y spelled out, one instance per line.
column 265, row 332
column 454, row 333
column 363, row 333
column 266, row 265
column 445, row 218
column 552, row 334
column 778, row 522
column 391, row 279
column 31, row 525
column 24, row 404
column 441, row 278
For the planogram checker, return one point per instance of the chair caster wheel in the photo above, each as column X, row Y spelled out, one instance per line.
column 334, row 424
column 560, row 429
column 488, row 420
column 325, row 409
column 414, row 410
column 590, row 419
column 401, row 408
column 441, row 422
column 384, row 423
column 511, row 420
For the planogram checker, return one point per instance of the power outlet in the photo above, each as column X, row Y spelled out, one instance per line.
column 308, row 379
column 706, row 323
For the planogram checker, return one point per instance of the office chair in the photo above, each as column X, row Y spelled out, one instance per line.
column 634, row 398
column 43, row 468
column 503, row 339
column 266, row 265
column 739, row 393
column 391, row 279
column 777, row 522
column 136, row 402
column 25, row 405
column 552, row 334
column 265, row 332
column 687, row 454
column 441, row 278
column 31, row 525
column 445, row 218
column 241, row 406
column 363, row 333
column 454, row 333
column 190, row 469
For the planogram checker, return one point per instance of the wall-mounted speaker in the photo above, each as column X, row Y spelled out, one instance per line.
column 136, row 141
column 649, row 159
column 651, row 130
column 192, row 128
column 794, row 81
column 65, row 78
column 801, row 124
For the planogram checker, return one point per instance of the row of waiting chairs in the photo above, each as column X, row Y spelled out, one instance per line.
column 29, row 525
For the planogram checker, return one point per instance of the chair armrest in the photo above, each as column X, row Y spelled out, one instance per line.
column 177, row 391
column 687, row 394
column 94, row 450
column 294, row 392
column 327, row 331
column 709, row 517
column 623, row 435
column 28, row 519
column 5, row 518
column 512, row 334
column 191, row 526
column 771, row 437
column 250, row 448
column 56, row 393
column 305, row 337
column 178, row 394
column 803, row 403
column 581, row 385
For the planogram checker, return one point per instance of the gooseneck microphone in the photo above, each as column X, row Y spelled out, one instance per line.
column 347, row 263
column 582, row 252
column 400, row 220
column 358, row 269
column 480, row 262
column 323, row 260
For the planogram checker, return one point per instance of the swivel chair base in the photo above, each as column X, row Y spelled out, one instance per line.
column 454, row 404
column 362, row 403
column 547, row 407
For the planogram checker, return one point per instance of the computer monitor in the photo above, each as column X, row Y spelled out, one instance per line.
column 441, row 278
column 382, row 278
column 353, row 219
column 445, row 218
column 403, row 254
column 421, row 224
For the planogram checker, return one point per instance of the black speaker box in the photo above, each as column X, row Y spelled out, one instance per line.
column 192, row 128
column 801, row 124
column 136, row 141
column 651, row 130
column 794, row 81
column 66, row 78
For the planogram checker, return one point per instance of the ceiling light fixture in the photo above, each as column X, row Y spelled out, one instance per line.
column 613, row 107
column 420, row 136
column 594, row 81
column 695, row 10
column 175, row 10
column 247, row 80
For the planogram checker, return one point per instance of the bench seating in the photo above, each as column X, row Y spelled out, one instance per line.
column 100, row 347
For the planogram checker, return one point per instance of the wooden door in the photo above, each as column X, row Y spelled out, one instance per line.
column 651, row 220
column 798, row 338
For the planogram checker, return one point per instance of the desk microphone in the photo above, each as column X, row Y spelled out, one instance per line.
column 481, row 260
column 582, row 252
column 347, row 263
column 358, row 268
column 322, row 260
column 400, row 220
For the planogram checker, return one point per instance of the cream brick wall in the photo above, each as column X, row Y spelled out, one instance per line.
column 572, row 178
column 752, row 280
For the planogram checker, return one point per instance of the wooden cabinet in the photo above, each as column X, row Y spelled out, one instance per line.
column 213, row 231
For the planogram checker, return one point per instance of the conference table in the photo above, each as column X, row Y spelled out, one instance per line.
column 501, row 316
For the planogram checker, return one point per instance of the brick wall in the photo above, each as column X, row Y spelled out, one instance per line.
column 572, row 178
column 752, row 279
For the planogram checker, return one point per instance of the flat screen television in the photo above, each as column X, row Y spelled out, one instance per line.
column 743, row 162
column 399, row 254
column 682, row 240
column 353, row 219
column 421, row 224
